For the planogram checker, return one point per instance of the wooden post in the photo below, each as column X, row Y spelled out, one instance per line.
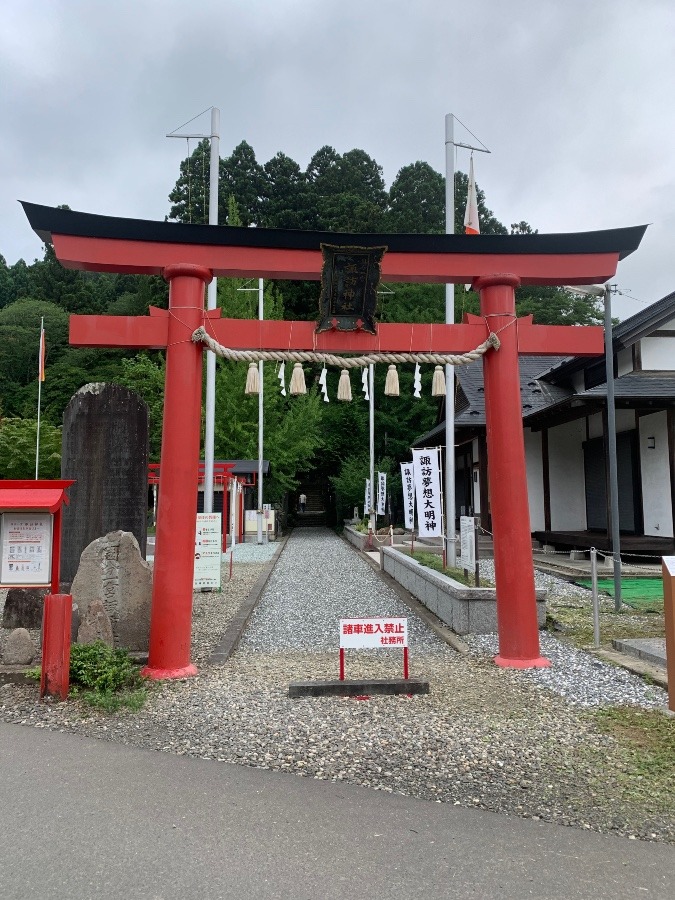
column 668, row 569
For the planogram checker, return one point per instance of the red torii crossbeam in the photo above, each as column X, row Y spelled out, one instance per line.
column 188, row 256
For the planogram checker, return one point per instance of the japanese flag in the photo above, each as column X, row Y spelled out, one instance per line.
column 471, row 225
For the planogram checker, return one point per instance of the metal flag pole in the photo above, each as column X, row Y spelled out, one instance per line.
column 450, row 144
column 260, row 420
column 371, row 390
column 211, row 297
column 605, row 291
column 39, row 403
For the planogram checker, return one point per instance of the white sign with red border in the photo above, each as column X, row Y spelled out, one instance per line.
column 371, row 633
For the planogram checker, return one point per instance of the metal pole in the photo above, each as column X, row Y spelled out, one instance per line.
column 260, row 423
column 596, row 603
column 450, row 370
column 209, row 430
column 371, row 402
column 611, row 446
column 37, row 439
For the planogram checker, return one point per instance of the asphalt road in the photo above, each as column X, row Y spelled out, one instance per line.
column 81, row 818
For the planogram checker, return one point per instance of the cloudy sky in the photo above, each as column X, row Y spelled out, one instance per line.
column 573, row 97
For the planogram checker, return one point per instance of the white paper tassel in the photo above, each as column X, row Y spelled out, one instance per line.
column 252, row 379
column 344, row 386
column 417, row 382
column 364, row 384
column 322, row 383
column 281, row 375
column 391, row 384
column 438, row 384
column 298, row 385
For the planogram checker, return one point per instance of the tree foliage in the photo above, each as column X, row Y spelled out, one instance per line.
column 18, row 444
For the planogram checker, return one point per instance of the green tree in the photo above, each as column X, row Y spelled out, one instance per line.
column 417, row 201
column 242, row 177
column 292, row 433
column 145, row 374
column 18, row 442
column 190, row 194
column 20, row 347
column 286, row 201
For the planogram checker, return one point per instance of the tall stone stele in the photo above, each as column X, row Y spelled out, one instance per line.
column 105, row 451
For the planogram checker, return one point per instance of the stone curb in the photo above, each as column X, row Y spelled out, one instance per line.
column 633, row 664
column 230, row 640
column 16, row 675
column 439, row 628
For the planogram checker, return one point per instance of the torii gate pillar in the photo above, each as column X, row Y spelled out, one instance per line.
column 514, row 569
column 171, row 616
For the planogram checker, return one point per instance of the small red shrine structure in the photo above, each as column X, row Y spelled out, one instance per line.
column 30, row 543
column 188, row 256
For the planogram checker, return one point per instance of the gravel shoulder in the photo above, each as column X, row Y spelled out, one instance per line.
column 520, row 743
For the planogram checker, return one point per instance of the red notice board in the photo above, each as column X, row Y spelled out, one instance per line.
column 30, row 532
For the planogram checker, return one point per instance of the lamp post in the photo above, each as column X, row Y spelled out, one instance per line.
column 604, row 291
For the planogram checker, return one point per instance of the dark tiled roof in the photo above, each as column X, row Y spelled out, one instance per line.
column 637, row 385
column 644, row 322
column 535, row 394
column 246, row 466
column 624, row 335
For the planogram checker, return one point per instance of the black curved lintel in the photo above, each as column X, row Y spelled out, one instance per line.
column 47, row 221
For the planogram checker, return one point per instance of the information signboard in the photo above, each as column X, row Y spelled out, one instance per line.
column 208, row 542
column 374, row 632
column 467, row 537
column 26, row 549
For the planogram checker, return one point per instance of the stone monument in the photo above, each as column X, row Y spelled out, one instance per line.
column 112, row 572
column 105, row 450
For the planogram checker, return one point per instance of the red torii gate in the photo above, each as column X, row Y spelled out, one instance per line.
column 188, row 256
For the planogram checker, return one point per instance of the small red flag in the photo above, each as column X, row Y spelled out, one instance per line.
column 471, row 225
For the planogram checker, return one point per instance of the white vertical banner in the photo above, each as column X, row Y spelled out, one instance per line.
column 381, row 493
column 408, row 483
column 426, row 473
column 367, row 501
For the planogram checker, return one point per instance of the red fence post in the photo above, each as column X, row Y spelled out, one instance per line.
column 56, row 619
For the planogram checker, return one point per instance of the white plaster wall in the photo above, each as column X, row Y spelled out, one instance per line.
column 655, row 473
column 535, row 479
column 625, row 421
column 595, row 425
column 566, row 476
column 624, row 362
column 658, row 354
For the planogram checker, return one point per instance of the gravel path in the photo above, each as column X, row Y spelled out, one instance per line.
column 521, row 743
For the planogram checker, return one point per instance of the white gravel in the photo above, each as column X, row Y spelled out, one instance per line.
column 516, row 742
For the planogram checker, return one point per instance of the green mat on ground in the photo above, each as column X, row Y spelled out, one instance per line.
column 635, row 592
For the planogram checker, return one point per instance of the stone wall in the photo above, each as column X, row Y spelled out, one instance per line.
column 464, row 609
column 357, row 538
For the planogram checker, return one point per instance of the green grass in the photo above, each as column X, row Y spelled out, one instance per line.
column 433, row 561
column 647, row 736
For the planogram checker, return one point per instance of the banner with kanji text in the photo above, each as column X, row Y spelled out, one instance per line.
column 408, row 494
column 427, row 477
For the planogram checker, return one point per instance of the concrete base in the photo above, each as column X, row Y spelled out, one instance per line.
column 465, row 610
column 358, row 688
column 651, row 650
